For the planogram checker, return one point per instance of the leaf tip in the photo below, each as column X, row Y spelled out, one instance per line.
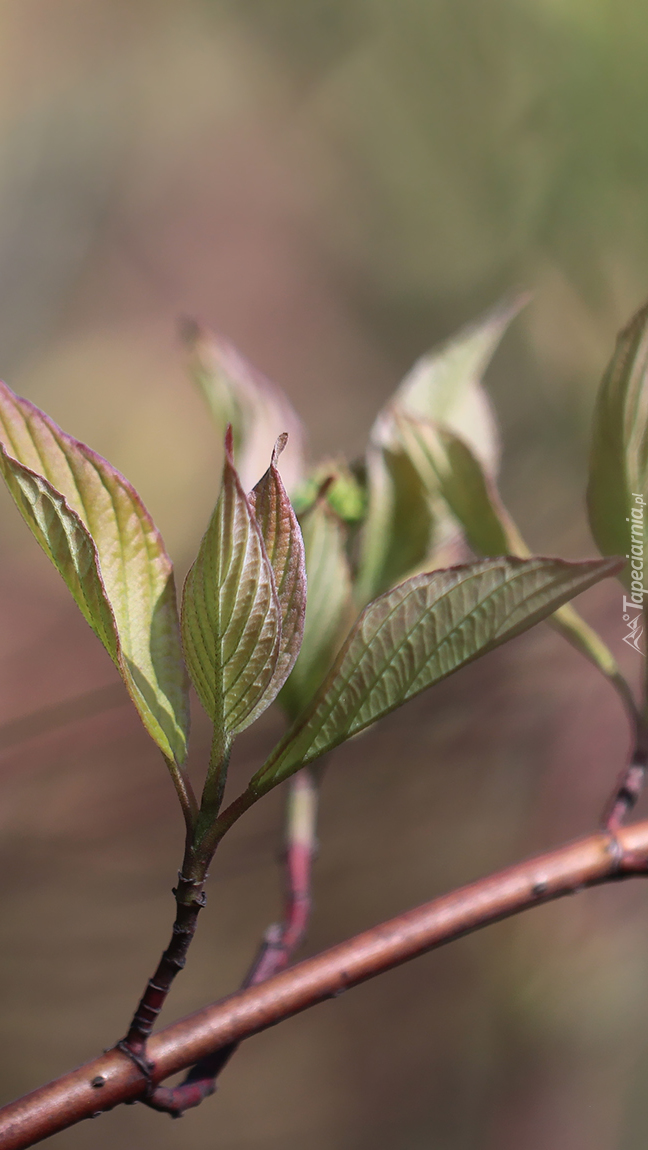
column 279, row 447
column 614, row 565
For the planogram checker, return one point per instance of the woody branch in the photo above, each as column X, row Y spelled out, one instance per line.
column 114, row 1078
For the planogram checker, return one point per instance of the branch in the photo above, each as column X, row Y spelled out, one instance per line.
column 629, row 785
column 627, row 791
column 114, row 1078
column 190, row 899
column 279, row 943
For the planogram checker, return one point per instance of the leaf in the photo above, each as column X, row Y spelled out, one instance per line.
column 416, row 635
column 93, row 526
column 400, row 526
column 343, row 489
column 285, row 549
column 475, row 502
column 231, row 616
column 329, row 607
column 238, row 394
column 446, row 464
column 406, row 522
column 619, row 455
column 445, row 386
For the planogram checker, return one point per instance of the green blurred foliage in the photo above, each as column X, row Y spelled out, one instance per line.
column 483, row 135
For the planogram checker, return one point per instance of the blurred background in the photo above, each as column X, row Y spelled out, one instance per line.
column 335, row 185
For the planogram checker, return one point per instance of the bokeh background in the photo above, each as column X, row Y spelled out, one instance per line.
column 335, row 185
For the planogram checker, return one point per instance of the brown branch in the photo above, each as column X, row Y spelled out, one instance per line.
column 113, row 1078
column 190, row 899
column 626, row 793
column 279, row 944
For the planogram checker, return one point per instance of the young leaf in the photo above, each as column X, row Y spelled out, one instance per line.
column 447, row 465
column 93, row 526
column 399, row 531
column 329, row 608
column 344, row 491
column 416, row 635
column 619, row 456
column 444, row 460
column 444, row 386
column 258, row 411
column 285, row 549
column 231, row 616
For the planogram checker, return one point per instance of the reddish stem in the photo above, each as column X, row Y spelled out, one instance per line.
column 280, row 941
column 190, row 899
column 111, row 1078
column 630, row 782
column 626, row 793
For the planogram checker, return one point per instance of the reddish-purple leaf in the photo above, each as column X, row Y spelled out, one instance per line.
column 285, row 549
column 231, row 617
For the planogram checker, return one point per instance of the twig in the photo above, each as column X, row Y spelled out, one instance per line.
column 626, row 793
column 113, row 1078
column 629, row 785
column 190, row 899
column 282, row 939
column 279, row 944
column 204, row 831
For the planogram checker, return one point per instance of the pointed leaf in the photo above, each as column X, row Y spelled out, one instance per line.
column 93, row 526
column 285, row 549
column 447, row 464
column 419, row 633
column 329, row 608
column 618, row 479
column 475, row 502
column 443, row 386
column 238, row 394
column 231, row 617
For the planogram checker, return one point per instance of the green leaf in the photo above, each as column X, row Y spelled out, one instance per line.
column 258, row 411
column 329, row 607
column 285, row 549
column 445, row 386
column 93, row 526
column 447, row 464
column 416, row 635
column 399, row 530
column 231, row 616
column 406, row 521
column 474, row 500
column 618, row 479
column 343, row 491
